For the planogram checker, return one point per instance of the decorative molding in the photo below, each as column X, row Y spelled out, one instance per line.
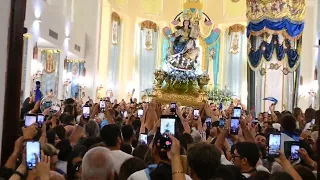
column 149, row 25
column 115, row 17
column 237, row 28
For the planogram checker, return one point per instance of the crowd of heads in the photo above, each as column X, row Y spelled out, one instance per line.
column 118, row 142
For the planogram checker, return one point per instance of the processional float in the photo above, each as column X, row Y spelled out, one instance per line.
column 183, row 76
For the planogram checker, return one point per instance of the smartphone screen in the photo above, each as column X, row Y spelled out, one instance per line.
column 237, row 112
column 32, row 149
column 274, row 144
column 167, row 126
column 30, row 119
column 86, row 112
column 102, row 106
column 140, row 113
column 144, row 139
column 234, row 128
column 294, row 154
column 222, row 122
column 196, row 114
column 173, row 107
column 313, row 121
column 40, row 120
column 208, row 122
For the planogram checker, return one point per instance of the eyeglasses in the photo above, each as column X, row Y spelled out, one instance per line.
column 234, row 156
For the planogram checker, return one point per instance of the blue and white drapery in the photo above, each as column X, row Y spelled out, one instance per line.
column 50, row 76
column 235, row 62
column 77, row 70
column 113, row 66
column 146, row 57
column 213, row 56
column 165, row 48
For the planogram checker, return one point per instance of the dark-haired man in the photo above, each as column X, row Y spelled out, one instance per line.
column 112, row 137
column 245, row 157
column 203, row 159
column 128, row 134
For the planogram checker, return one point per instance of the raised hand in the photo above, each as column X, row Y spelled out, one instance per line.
column 175, row 148
column 29, row 132
column 43, row 167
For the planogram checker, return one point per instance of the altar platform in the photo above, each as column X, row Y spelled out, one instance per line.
column 190, row 100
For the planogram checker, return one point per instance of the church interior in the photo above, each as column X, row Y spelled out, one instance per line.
column 258, row 53
column 100, row 48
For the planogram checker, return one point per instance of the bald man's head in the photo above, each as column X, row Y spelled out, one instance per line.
column 97, row 164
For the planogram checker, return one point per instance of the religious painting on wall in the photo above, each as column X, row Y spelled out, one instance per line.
column 50, row 76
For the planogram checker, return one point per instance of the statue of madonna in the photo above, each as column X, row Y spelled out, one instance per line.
column 183, row 44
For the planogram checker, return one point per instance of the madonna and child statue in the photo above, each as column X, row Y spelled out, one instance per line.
column 184, row 53
column 180, row 76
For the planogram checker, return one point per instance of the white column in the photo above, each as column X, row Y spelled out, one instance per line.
column 29, row 85
column 4, row 20
column 308, row 54
column 63, row 55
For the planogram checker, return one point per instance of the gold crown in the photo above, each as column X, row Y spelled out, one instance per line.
column 187, row 15
column 196, row 16
column 197, row 4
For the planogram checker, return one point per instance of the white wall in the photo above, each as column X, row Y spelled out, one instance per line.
column 308, row 55
column 87, row 17
column 77, row 19
column 4, row 21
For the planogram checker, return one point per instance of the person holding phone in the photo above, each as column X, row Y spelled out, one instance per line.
column 167, row 162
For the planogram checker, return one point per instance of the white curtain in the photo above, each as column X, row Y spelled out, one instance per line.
column 113, row 67
column 235, row 64
column 146, row 57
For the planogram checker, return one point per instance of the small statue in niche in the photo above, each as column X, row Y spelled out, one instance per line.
column 114, row 32
column 235, row 44
column 148, row 41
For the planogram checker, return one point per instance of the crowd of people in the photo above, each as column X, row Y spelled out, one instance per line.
column 123, row 141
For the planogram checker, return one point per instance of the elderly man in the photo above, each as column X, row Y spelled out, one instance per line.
column 97, row 164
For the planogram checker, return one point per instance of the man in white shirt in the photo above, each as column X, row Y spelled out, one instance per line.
column 112, row 137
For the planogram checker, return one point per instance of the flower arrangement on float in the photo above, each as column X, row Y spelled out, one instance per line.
column 224, row 96
column 182, row 80
column 147, row 94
